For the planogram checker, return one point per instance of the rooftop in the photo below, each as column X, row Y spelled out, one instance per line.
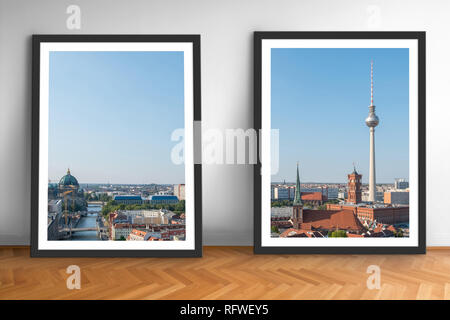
column 312, row 196
column 331, row 220
column 300, row 233
column 371, row 205
column 128, row 197
column 163, row 197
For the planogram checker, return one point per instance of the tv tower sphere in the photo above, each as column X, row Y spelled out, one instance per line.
column 372, row 120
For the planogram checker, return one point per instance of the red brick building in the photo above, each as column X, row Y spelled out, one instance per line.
column 382, row 214
column 314, row 198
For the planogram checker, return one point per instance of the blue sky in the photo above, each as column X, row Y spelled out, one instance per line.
column 320, row 99
column 111, row 115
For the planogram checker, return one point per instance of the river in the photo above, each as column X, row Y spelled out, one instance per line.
column 89, row 221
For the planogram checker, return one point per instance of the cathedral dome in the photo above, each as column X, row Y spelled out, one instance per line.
column 68, row 180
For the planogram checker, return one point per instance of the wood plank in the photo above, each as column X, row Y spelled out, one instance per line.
column 227, row 273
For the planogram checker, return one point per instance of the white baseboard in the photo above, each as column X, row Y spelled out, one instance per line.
column 228, row 238
column 438, row 240
column 14, row 240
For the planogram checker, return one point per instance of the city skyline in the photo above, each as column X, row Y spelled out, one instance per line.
column 111, row 116
column 320, row 100
column 120, row 183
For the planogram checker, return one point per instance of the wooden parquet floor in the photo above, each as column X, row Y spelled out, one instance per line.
column 227, row 273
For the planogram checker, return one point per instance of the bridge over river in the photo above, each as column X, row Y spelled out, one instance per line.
column 90, row 226
column 73, row 230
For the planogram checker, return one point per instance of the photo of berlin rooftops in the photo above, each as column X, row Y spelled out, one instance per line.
column 110, row 177
column 343, row 120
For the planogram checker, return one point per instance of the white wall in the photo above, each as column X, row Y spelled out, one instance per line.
column 227, row 29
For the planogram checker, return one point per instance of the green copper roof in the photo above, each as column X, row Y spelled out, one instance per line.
column 68, row 180
column 297, row 197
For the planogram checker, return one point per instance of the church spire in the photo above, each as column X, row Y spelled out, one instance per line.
column 354, row 169
column 297, row 197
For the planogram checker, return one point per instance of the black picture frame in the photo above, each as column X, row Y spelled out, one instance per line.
column 259, row 36
column 182, row 38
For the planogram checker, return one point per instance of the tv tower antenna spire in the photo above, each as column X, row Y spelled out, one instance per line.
column 372, row 121
column 371, row 83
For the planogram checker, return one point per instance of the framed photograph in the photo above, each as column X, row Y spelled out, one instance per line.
column 113, row 125
column 341, row 163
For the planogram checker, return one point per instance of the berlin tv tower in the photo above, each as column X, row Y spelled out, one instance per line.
column 372, row 121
